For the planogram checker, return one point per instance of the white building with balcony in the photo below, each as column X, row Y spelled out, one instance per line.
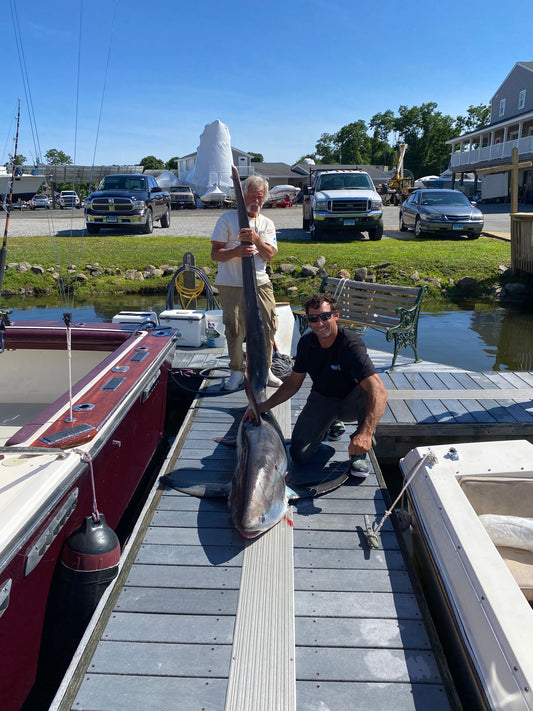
column 511, row 125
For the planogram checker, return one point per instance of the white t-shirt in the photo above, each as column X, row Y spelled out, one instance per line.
column 227, row 230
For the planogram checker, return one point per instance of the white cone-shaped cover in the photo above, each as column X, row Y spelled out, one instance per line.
column 212, row 167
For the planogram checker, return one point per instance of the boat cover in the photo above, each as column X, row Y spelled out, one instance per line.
column 212, row 167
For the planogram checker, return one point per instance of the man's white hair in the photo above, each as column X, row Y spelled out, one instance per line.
column 255, row 182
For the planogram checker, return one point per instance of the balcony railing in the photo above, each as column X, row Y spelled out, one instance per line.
column 495, row 152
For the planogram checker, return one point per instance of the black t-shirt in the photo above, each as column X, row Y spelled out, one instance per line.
column 336, row 370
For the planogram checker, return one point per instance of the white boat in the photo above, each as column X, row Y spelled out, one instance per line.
column 213, row 197
column 25, row 185
column 471, row 507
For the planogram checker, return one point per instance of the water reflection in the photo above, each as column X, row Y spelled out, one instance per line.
column 477, row 337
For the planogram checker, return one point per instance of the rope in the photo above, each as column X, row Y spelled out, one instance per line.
column 67, row 318
column 371, row 533
column 86, row 457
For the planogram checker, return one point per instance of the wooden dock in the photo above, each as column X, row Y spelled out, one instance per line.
column 306, row 617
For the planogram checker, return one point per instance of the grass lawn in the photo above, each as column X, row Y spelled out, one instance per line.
column 390, row 260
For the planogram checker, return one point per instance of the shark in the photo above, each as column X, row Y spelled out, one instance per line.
column 258, row 494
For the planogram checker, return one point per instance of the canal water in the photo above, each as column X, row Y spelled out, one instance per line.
column 474, row 336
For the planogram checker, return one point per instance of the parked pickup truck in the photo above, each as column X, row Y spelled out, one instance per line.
column 342, row 199
column 121, row 200
column 69, row 198
column 181, row 196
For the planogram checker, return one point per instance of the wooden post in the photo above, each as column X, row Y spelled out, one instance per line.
column 514, row 167
column 514, row 180
column 189, row 279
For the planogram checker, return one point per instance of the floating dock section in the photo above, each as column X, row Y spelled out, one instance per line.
column 305, row 617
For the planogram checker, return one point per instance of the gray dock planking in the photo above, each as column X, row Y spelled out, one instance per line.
column 183, row 632
column 182, row 625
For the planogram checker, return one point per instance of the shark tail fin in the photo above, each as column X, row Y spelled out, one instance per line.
column 252, row 402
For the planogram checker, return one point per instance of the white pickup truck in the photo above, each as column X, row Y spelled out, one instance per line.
column 342, row 200
column 69, row 198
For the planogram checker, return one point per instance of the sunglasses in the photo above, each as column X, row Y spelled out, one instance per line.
column 313, row 318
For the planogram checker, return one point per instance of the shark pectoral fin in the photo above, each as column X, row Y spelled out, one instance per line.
column 311, row 490
column 198, row 489
column 226, row 440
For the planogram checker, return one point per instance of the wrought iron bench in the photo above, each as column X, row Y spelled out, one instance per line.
column 362, row 305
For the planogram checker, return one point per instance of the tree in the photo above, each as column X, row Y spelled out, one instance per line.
column 477, row 117
column 383, row 124
column 425, row 130
column 351, row 144
column 172, row 163
column 256, row 157
column 19, row 160
column 55, row 157
column 152, row 163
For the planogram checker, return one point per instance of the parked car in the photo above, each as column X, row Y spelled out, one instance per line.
column 440, row 211
column 40, row 201
column 69, row 198
column 181, row 196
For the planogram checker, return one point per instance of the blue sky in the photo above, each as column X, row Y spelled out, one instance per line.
column 277, row 73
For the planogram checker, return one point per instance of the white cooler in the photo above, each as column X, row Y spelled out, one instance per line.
column 135, row 317
column 189, row 325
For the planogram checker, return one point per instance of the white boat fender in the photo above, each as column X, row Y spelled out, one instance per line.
column 509, row 531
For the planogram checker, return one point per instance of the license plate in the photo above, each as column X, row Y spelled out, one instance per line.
column 348, row 223
column 457, row 227
column 111, row 218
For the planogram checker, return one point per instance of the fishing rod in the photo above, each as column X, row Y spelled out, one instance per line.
column 7, row 205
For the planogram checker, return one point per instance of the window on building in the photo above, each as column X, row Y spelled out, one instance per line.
column 522, row 99
column 502, row 107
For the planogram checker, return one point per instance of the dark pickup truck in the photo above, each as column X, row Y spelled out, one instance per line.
column 121, row 200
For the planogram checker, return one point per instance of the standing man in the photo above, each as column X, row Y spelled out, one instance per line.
column 227, row 250
column 345, row 387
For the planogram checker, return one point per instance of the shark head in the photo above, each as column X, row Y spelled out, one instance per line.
column 258, row 499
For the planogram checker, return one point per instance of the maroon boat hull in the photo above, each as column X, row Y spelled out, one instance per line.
column 134, row 426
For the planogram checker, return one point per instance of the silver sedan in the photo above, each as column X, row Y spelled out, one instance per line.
column 440, row 211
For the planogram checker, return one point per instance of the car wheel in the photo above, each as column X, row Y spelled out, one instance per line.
column 403, row 227
column 148, row 226
column 418, row 228
column 165, row 220
column 376, row 234
column 92, row 229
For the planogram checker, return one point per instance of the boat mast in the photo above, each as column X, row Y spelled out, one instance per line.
column 7, row 205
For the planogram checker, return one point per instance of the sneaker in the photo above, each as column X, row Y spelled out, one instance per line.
column 273, row 381
column 336, row 431
column 359, row 467
column 234, row 382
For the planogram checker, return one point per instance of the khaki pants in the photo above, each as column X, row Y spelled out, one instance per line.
column 231, row 300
